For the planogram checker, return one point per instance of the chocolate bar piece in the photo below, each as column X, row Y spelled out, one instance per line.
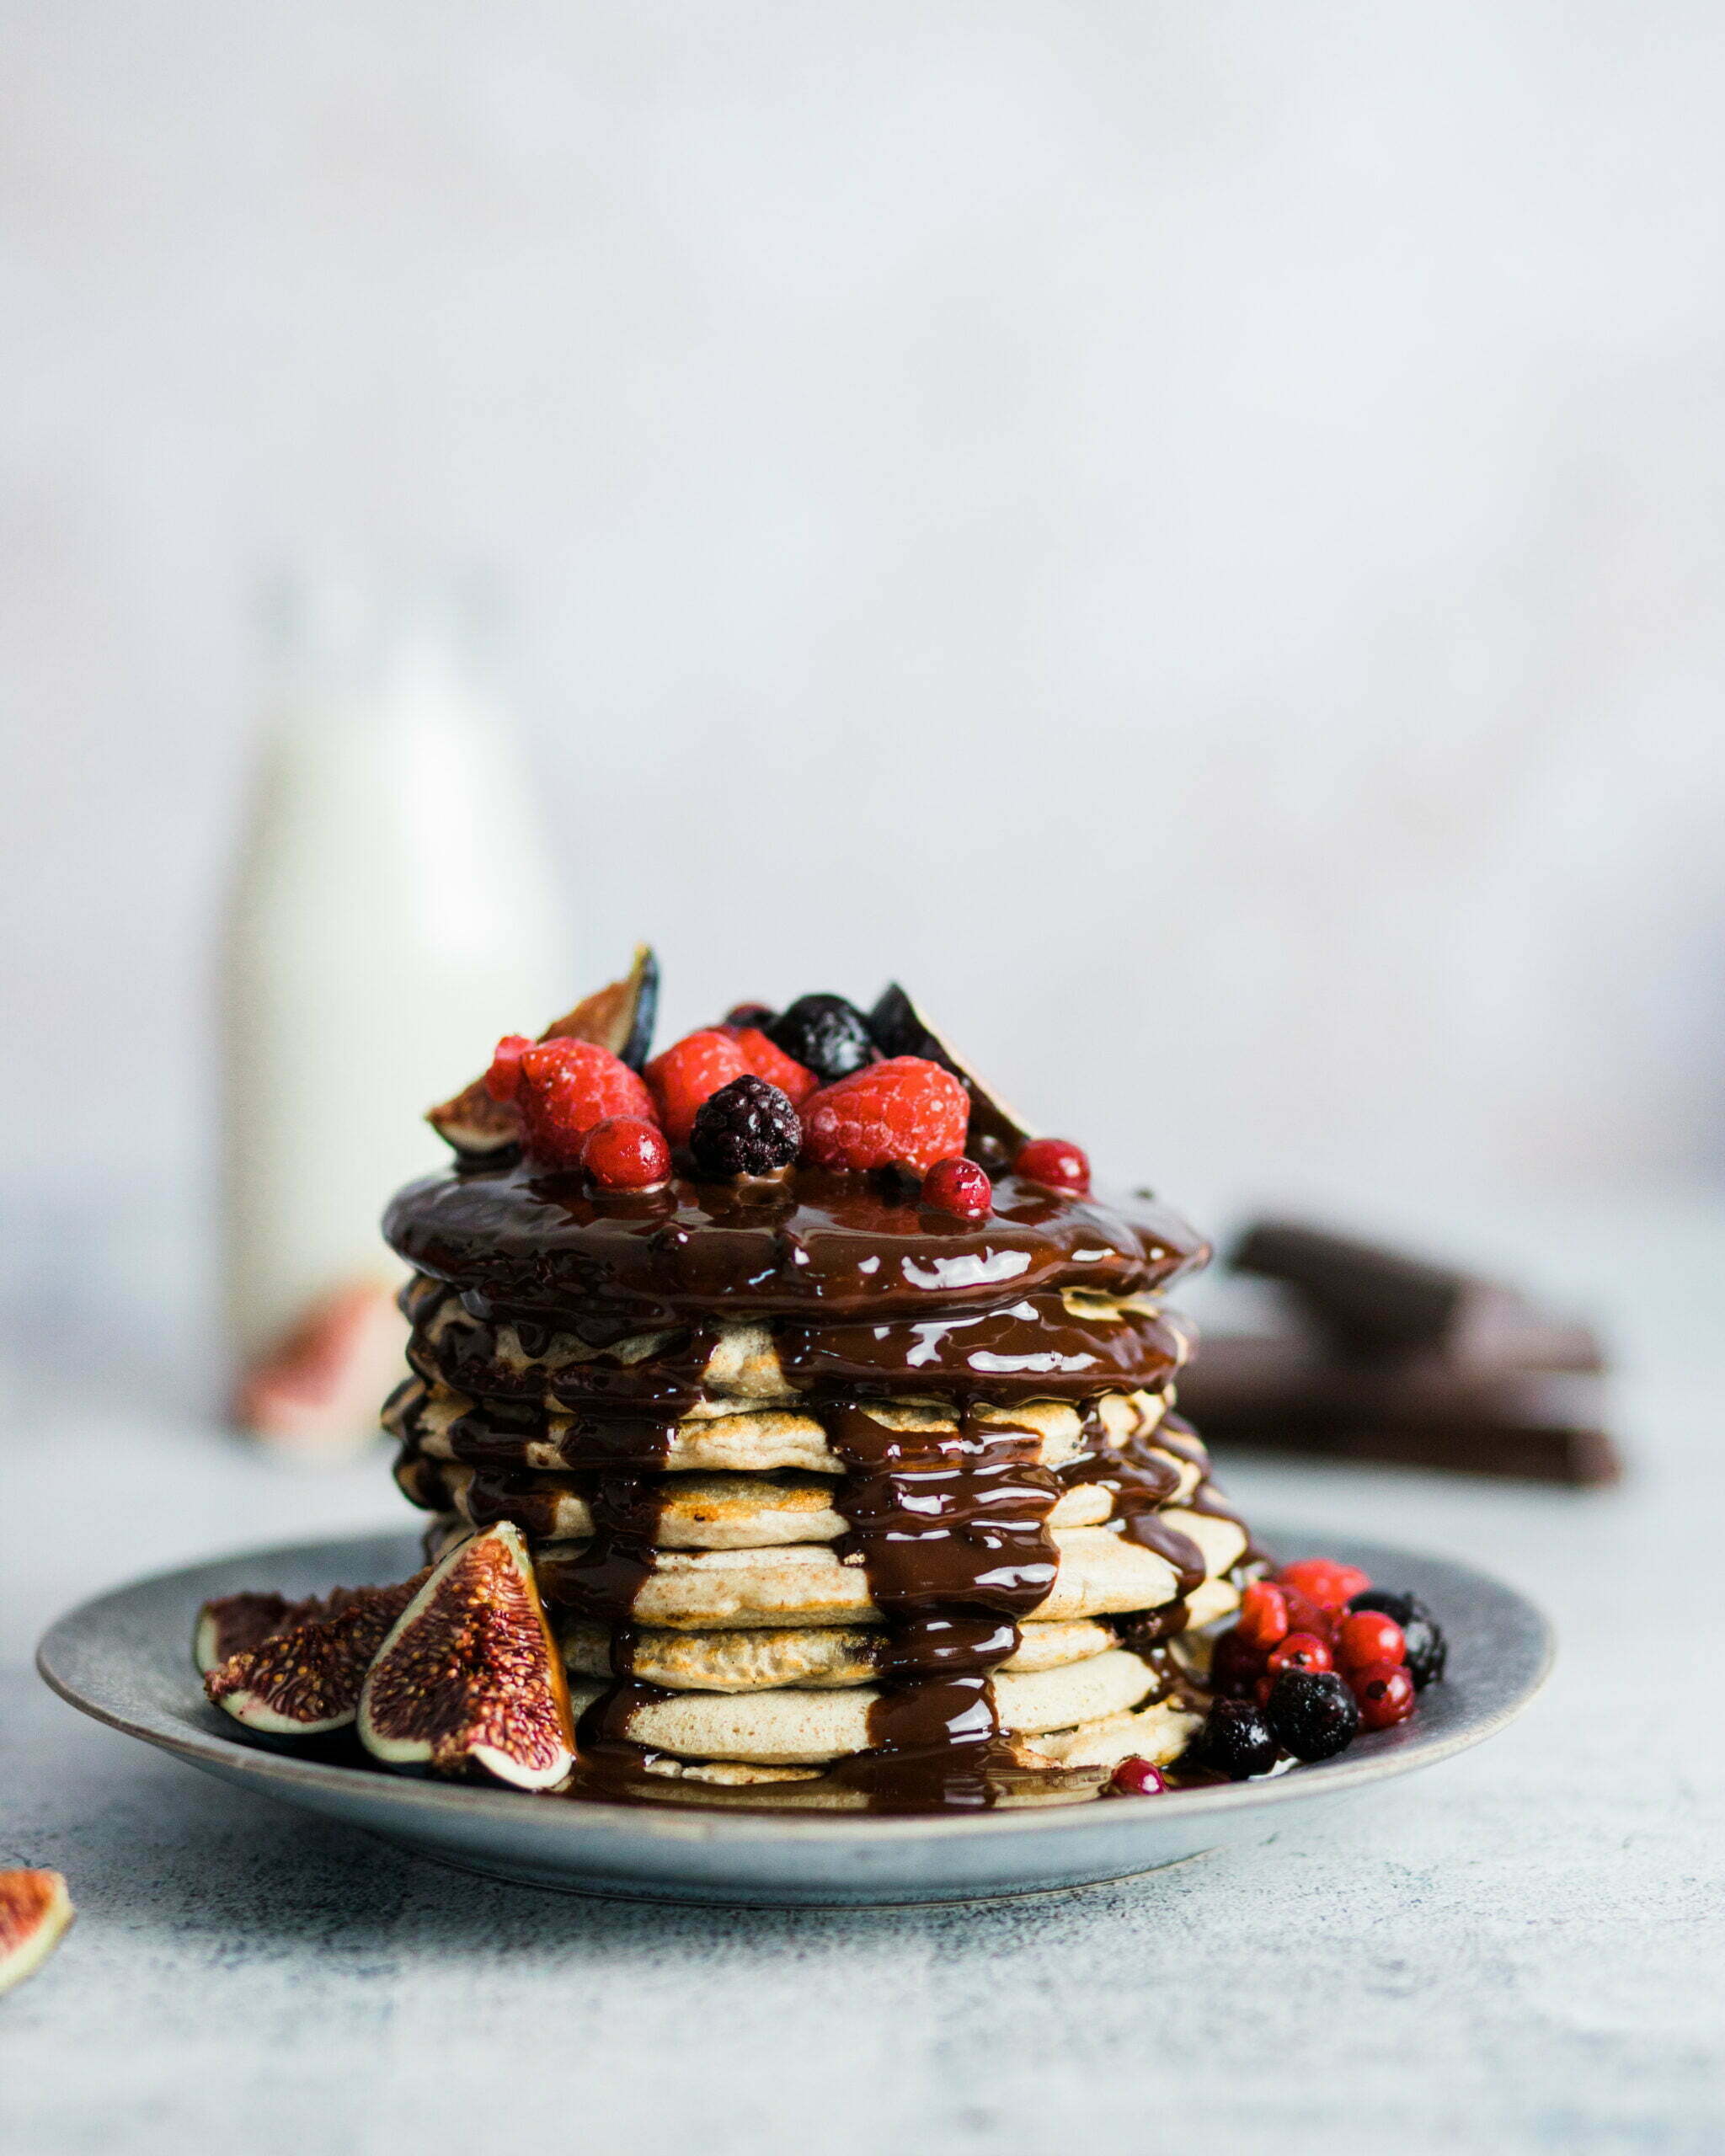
column 1376, row 1304
column 1287, row 1395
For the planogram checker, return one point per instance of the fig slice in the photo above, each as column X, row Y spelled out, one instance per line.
column 899, row 1028
column 618, row 1017
column 304, row 1681
column 235, row 1623
column 471, row 1676
column 35, row 1911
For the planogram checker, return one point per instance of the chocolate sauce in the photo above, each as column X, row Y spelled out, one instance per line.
column 835, row 1242
column 1141, row 1478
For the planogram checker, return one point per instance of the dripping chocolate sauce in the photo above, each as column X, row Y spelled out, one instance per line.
column 950, row 1526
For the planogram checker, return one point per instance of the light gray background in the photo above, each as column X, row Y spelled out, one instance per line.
column 1191, row 533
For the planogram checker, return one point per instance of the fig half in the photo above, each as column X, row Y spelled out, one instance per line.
column 618, row 1017
column 899, row 1028
column 470, row 1677
column 304, row 1680
column 235, row 1623
column 35, row 1911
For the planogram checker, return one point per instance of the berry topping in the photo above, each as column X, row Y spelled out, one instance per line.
column 959, row 1186
column 564, row 1088
column 1301, row 1651
column 1304, row 1615
column 828, row 1035
column 1424, row 1648
column 745, row 1128
column 1312, row 1713
column 750, row 1014
column 1385, row 1692
column 1329, row 1583
column 905, row 1111
column 1367, row 1637
column 1055, row 1161
column 763, row 1060
column 504, row 1078
column 688, row 1073
column 1235, row 1740
column 1263, row 1615
column 1137, row 1778
column 626, row 1152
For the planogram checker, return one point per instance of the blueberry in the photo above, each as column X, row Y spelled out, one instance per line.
column 1312, row 1713
column 761, row 1016
column 1428, row 1650
column 745, row 1128
column 826, row 1033
column 1236, row 1741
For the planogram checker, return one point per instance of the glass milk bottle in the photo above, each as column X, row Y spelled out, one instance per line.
column 393, row 913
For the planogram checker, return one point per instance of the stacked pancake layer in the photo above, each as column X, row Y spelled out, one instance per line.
column 828, row 1494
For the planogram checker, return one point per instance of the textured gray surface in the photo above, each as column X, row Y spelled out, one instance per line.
column 1519, row 1951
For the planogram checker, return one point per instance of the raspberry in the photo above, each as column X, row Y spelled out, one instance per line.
column 1139, row 1778
column 1329, row 1583
column 1263, row 1615
column 626, row 1152
column 1384, row 1691
column 763, row 1060
column 1301, row 1651
column 1367, row 1637
column 826, row 1035
column 686, row 1073
column 566, row 1087
column 745, row 1128
column 1312, row 1713
column 503, row 1079
column 1304, row 1615
column 1055, row 1161
column 905, row 1110
column 960, row 1187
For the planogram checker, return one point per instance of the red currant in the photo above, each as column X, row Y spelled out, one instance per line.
column 1368, row 1637
column 1263, row 1615
column 1384, row 1691
column 626, row 1152
column 1301, row 1651
column 959, row 1186
column 503, row 1081
column 1137, row 1778
column 1329, row 1583
column 1055, row 1161
column 1304, row 1615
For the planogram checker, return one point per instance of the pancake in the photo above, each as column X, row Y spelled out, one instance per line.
column 742, row 1661
column 723, row 1436
column 1099, row 1572
column 794, row 1728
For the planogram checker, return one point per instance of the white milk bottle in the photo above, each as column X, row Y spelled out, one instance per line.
column 393, row 913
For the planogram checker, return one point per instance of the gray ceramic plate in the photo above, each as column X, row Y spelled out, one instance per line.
column 125, row 1658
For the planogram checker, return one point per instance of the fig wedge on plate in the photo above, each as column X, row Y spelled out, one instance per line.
column 35, row 1911
column 235, row 1623
column 899, row 1028
column 304, row 1680
column 618, row 1017
column 471, row 1678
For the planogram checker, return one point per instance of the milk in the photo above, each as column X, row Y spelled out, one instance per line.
column 393, row 913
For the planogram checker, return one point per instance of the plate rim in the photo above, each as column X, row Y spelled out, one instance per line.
column 246, row 1762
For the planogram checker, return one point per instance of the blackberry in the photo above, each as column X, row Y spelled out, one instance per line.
column 1312, row 1713
column 1428, row 1650
column 745, row 1128
column 1235, row 1740
column 758, row 1015
column 826, row 1033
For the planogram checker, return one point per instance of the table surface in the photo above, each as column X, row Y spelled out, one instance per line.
column 1519, row 1951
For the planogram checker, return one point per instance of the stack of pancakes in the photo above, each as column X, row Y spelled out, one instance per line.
column 828, row 1492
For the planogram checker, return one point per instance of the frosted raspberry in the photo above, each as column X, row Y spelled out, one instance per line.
column 904, row 1110
column 690, row 1071
column 567, row 1087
